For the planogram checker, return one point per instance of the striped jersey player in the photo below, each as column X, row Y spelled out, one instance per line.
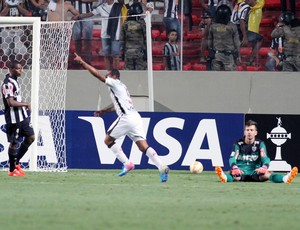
column 17, row 120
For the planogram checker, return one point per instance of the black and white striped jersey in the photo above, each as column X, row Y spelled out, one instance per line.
column 173, row 60
column 82, row 7
column 171, row 9
column 11, row 88
column 240, row 11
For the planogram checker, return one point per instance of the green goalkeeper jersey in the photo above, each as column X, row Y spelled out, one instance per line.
column 249, row 157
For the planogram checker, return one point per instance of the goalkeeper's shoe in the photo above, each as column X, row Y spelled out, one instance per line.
column 18, row 167
column 16, row 172
column 126, row 168
column 291, row 175
column 164, row 174
column 221, row 174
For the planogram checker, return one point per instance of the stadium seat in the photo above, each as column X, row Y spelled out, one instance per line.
column 198, row 66
column 157, row 50
column 263, row 51
column 187, row 66
column 240, row 68
column 163, row 35
column 96, row 33
column 253, row 68
column 157, row 66
column 272, row 4
column 155, row 33
column 245, row 51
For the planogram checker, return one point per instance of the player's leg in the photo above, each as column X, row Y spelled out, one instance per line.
column 118, row 129
column 153, row 156
column 224, row 177
column 12, row 133
column 106, row 52
column 279, row 178
column 115, row 52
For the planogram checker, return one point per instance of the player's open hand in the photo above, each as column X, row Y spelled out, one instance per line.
column 262, row 170
column 236, row 171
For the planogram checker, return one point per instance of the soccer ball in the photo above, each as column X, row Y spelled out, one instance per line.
column 196, row 167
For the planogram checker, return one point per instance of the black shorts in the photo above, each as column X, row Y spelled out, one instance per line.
column 15, row 132
column 251, row 178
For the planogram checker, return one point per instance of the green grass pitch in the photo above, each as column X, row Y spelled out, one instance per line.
column 99, row 199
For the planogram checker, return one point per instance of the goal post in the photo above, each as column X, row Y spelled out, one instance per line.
column 43, row 49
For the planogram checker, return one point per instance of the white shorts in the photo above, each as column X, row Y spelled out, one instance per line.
column 130, row 125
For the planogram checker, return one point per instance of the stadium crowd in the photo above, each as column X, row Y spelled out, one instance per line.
column 217, row 34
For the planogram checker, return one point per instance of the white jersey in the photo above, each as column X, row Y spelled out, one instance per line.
column 120, row 96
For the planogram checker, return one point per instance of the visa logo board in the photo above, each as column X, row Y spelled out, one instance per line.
column 179, row 138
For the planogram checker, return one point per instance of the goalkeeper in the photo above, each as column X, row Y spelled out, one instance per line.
column 249, row 161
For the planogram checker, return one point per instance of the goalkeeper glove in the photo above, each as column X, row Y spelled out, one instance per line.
column 236, row 171
column 262, row 170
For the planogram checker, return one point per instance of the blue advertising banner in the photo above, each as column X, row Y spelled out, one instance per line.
column 179, row 138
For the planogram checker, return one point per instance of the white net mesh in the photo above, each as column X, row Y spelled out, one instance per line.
column 16, row 43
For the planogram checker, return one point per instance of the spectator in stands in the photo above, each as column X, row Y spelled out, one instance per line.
column 283, row 5
column 254, row 38
column 14, row 8
column 83, row 29
column 223, row 41
column 39, row 8
column 133, row 39
column 240, row 17
column 13, row 41
column 170, row 19
column 204, row 27
column 171, row 52
column 110, row 31
column 210, row 6
column 289, row 30
column 187, row 11
column 58, row 10
column 275, row 55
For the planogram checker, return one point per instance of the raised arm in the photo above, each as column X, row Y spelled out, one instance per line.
column 90, row 68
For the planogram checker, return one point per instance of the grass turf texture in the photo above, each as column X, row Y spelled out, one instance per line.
column 99, row 199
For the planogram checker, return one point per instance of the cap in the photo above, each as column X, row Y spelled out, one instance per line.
column 206, row 14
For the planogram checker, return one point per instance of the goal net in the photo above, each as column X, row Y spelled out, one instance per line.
column 42, row 48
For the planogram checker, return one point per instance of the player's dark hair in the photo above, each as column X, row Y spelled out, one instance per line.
column 13, row 64
column 250, row 123
column 115, row 72
column 172, row 30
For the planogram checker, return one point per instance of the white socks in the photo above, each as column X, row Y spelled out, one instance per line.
column 154, row 157
column 117, row 150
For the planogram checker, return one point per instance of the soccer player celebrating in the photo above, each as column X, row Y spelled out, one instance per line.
column 17, row 120
column 128, row 123
column 249, row 161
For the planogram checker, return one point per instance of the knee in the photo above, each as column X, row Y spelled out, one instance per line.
column 30, row 140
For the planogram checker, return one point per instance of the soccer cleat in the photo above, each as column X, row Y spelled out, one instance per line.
column 18, row 167
column 221, row 174
column 126, row 169
column 291, row 175
column 16, row 172
column 164, row 174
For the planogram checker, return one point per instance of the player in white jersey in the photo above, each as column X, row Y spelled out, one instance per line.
column 129, row 121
